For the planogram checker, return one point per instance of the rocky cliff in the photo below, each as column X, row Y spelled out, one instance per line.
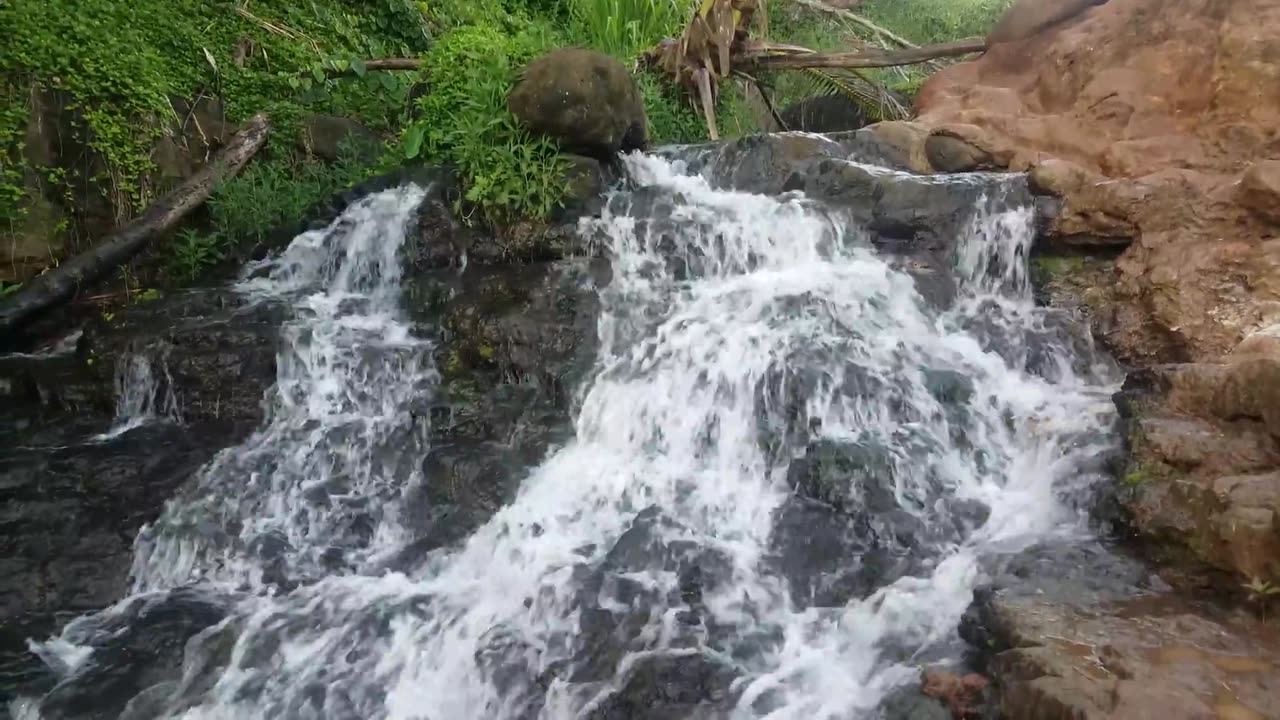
column 1152, row 131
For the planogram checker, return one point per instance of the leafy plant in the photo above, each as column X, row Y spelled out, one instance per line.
column 278, row 190
column 194, row 252
column 1262, row 593
column 671, row 118
column 464, row 121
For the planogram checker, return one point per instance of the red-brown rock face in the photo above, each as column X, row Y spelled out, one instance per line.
column 1152, row 112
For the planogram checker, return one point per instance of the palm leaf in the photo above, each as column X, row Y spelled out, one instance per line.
column 876, row 102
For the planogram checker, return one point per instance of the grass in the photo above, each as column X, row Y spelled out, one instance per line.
column 626, row 28
column 933, row 21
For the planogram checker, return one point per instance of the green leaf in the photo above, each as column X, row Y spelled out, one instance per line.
column 413, row 142
column 317, row 72
column 208, row 56
column 359, row 67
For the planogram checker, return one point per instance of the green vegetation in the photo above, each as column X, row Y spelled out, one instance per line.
column 933, row 21
column 107, row 75
column 626, row 28
column 1137, row 476
column 276, row 190
column 1261, row 593
column 1060, row 265
column 464, row 121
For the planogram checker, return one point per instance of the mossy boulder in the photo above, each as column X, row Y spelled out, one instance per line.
column 586, row 100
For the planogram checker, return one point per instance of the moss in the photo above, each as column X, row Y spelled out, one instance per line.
column 1058, row 266
column 1137, row 476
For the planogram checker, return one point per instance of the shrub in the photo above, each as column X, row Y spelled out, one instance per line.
column 278, row 190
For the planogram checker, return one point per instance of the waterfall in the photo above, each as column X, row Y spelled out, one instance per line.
column 141, row 395
column 763, row 379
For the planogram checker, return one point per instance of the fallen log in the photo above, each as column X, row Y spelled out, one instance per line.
column 765, row 57
column 376, row 65
column 61, row 283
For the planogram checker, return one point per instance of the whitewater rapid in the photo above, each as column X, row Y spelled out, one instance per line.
column 758, row 329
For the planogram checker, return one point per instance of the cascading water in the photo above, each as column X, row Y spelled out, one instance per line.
column 141, row 396
column 762, row 377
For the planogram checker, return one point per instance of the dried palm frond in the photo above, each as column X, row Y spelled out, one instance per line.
column 703, row 54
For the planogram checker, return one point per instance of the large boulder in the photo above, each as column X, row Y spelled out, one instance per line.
column 586, row 100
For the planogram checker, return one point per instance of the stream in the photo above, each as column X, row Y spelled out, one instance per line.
column 785, row 473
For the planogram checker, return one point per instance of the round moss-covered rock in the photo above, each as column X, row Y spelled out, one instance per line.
column 586, row 100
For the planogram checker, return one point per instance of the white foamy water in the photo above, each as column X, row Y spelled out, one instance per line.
column 315, row 490
column 732, row 339
column 142, row 394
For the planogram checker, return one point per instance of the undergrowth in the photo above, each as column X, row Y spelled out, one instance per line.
column 115, row 68
column 275, row 191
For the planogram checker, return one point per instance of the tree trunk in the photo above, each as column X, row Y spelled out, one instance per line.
column 762, row 59
column 61, row 283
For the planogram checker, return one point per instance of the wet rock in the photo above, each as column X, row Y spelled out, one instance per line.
column 1204, row 490
column 1141, row 657
column 907, row 140
column 848, row 476
column 73, row 509
column 830, row 557
column 760, row 163
column 910, row 704
column 671, row 687
column 585, row 181
column 216, row 350
column 136, row 647
column 443, row 241
column 514, row 342
column 1080, row 630
column 961, row 694
column 905, row 213
column 586, row 100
